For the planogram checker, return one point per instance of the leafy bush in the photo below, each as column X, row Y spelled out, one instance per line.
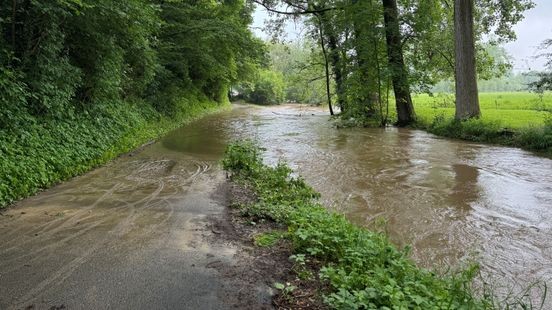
column 363, row 269
column 267, row 88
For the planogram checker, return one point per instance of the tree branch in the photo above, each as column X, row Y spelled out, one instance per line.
column 302, row 12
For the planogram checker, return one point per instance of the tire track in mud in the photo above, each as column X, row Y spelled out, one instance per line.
column 47, row 230
column 134, row 188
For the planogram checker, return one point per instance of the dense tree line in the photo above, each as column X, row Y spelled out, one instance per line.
column 62, row 57
column 373, row 47
column 82, row 81
column 294, row 73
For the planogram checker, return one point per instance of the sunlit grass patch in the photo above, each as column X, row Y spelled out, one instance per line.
column 269, row 239
column 520, row 119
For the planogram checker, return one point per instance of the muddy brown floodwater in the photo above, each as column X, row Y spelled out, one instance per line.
column 452, row 201
column 126, row 235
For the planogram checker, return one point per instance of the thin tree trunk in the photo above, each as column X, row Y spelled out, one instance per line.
column 399, row 75
column 467, row 99
column 14, row 13
column 333, row 57
column 326, row 65
column 338, row 74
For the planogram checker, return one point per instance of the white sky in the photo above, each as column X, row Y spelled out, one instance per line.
column 535, row 28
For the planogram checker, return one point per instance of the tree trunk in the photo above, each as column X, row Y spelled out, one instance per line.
column 336, row 66
column 334, row 58
column 326, row 66
column 467, row 99
column 399, row 74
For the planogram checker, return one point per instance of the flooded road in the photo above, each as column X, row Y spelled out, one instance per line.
column 109, row 236
column 135, row 234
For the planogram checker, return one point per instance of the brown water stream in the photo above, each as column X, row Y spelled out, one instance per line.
column 132, row 219
column 450, row 200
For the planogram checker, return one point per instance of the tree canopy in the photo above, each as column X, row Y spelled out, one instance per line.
column 59, row 57
column 376, row 46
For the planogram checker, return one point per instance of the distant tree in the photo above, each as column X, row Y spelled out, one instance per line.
column 544, row 81
column 301, row 65
column 267, row 88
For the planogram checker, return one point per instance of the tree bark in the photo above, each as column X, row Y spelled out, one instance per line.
column 399, row 74
column 14, row 18
column 336, row 66
column 333, row 57
column 467, row 99
column 326, row 66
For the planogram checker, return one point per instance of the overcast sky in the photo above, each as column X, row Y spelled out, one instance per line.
column 535, row 28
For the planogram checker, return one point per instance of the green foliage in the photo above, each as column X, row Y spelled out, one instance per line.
column 517, row 119
column 531, row 137
column 362, row 268
column 269, row 239
column 301, row 67
column 354, row 39
column 243, row 157
column 286, row 289
column 40, row 155
column 84, row 80
column 268, row 87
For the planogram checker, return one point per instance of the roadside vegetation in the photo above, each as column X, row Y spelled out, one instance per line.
column 82, row 81
column 361, row 269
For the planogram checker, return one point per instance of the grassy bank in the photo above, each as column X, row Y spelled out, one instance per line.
column 514, row 119
column 517, row 119
column 512, row 110
column 47, row 151
column 361, row 269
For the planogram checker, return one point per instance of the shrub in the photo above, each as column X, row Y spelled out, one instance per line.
column 267, row 88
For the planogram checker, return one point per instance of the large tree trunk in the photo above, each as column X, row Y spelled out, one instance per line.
column 399, row 74
column 467, row 99
column 334, row 58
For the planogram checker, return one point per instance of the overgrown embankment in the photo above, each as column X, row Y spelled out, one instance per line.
column 45, row 152
column 360, row 269
column 519, row 119
column 536, row 138
column 532, row 138
column 83, row 81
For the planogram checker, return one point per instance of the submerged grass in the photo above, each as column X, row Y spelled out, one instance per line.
column 362, row 268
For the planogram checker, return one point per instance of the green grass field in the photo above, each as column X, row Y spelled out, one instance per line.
column 519, row 119
column 511, row 110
